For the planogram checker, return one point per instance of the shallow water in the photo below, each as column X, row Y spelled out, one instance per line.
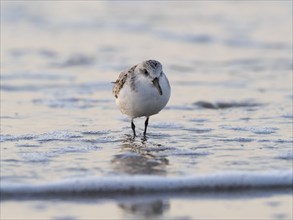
column 223, row 143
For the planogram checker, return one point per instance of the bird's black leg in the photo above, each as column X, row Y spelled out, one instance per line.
column 133, row 128
column 145, row 126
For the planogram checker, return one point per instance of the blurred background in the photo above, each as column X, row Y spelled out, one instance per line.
column 105, row 37
column 48, row 46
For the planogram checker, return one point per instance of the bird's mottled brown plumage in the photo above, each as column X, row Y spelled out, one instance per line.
column 122, row 79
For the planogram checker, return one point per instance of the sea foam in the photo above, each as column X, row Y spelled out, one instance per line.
column 237, row 180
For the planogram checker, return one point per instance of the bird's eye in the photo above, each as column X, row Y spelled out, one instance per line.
column 145, row 72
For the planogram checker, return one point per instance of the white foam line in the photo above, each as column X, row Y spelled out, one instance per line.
column 146, row 183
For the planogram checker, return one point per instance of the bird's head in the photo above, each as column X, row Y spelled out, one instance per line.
column 153, row 70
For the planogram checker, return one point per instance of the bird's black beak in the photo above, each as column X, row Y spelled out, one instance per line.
column 157, row 85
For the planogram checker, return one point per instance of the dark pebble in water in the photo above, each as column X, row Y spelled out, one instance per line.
column 224, row 105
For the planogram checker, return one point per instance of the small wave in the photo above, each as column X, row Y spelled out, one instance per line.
column 61, row 135
column 159, row 149
column 290, row 116
column 94, row 133
column 28, row 87
column 281, row 141
column 240, row 139
column 42, row 76
column 8, row 137
column 224, row 105
column 180, row 107
column 199, row 130
column 28, row 145
column 236, row 42
column 75, row 60
column 70, row 102
column 48, row 155
column 168, row 125
column 152, row 184
column 192, row 38
column 256, row 130
column 184, row 153
column 58, row 135
column 285, row 155
column 199, row 120
column 81, row 88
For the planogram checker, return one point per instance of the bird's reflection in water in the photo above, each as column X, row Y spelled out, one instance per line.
column 146, row 209
column 137, row 158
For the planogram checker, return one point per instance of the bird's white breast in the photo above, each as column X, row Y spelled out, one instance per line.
column 143, row 98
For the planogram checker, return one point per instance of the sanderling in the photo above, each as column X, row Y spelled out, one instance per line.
column 142, row 90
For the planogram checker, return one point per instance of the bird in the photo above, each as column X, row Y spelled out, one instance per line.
column 142, row 91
